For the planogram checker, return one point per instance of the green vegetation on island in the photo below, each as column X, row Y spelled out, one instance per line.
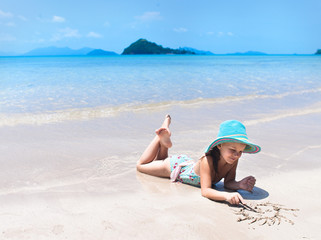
column 318, row 52
column 196, row 51
column 142, row 46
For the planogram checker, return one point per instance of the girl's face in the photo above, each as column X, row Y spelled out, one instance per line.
column 231, row 151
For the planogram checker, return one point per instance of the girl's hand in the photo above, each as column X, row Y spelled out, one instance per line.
column 234, row 198
column 247, row 183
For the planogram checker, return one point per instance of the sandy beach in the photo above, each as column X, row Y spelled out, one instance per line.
column 77, row 179
column 84, row 85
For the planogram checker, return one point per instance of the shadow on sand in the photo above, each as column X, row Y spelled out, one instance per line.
column 256, row 194
column 155, row 184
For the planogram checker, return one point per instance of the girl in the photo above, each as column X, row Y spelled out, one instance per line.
column 219, row 161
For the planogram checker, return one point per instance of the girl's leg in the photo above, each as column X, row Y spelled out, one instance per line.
column 157, row 150
column 165, row 141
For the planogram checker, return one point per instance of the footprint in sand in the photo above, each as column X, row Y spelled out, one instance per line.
column 107, row 225
column 57, row 229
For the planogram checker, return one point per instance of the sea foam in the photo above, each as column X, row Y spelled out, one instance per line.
column 108, row 112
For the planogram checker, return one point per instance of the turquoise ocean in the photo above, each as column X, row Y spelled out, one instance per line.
column 90, row 87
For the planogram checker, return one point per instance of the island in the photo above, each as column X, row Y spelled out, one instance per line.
column 66, row 51
column 100, row 52
column 57, row 51
column 318, row 52
column 142, row 46
column 196, row 51
column 248, row 53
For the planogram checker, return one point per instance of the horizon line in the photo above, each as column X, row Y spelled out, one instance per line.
column 13, row 54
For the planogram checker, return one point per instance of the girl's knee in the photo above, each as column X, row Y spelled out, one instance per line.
column 139, row 165
column 156, row 168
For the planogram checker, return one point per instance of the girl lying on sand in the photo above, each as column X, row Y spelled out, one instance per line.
column 219, row 161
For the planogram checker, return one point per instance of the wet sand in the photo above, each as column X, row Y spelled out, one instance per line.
column 77, row 179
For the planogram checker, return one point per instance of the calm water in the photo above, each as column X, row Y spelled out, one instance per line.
column 33, row 85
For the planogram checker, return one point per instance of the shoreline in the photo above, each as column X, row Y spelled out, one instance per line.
column 77, row 179
column 86, row 114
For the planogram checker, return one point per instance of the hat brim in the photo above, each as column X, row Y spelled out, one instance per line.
column 250, row 147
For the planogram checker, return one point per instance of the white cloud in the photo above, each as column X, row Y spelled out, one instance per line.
column 22, row 18
column 68, row 32
column 149, row 16
column 10, row 24
column 65, row 33
column 180, row 30
column 93, row 35
column 5, row 14
column 222, row 34
column 58, row 19
column 7, row 38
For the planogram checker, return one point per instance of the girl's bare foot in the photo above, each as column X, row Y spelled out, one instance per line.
column 164, row 133
column 167, row 121
column 164, row 136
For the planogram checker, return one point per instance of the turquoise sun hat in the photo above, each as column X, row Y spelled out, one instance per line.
column 233, row 131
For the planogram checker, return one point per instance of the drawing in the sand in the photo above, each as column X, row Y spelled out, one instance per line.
column 265, row 213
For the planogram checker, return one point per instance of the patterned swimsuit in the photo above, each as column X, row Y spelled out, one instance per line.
column 182, row 169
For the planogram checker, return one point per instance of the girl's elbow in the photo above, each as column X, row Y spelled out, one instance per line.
column 204, row 193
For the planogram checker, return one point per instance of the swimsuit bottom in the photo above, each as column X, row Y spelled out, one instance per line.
column 182, row 170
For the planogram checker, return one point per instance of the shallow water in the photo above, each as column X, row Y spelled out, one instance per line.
column 42, row 84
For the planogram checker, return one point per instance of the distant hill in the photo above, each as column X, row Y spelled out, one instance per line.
column 142, row 46
column 318, row 52
column 55, row 51
column 100, row 52
column 198, row 52
column 248, row 53
column 7, row 54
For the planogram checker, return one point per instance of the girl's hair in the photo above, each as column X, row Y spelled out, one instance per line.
column 215, row 154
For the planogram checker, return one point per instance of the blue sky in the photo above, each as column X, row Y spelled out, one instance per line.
column 220, row 26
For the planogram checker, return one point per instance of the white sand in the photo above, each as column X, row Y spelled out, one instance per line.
column 77, row 180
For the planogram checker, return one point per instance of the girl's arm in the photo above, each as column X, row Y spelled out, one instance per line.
column 206, row 170
column 245, row 184
column 229, row 179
